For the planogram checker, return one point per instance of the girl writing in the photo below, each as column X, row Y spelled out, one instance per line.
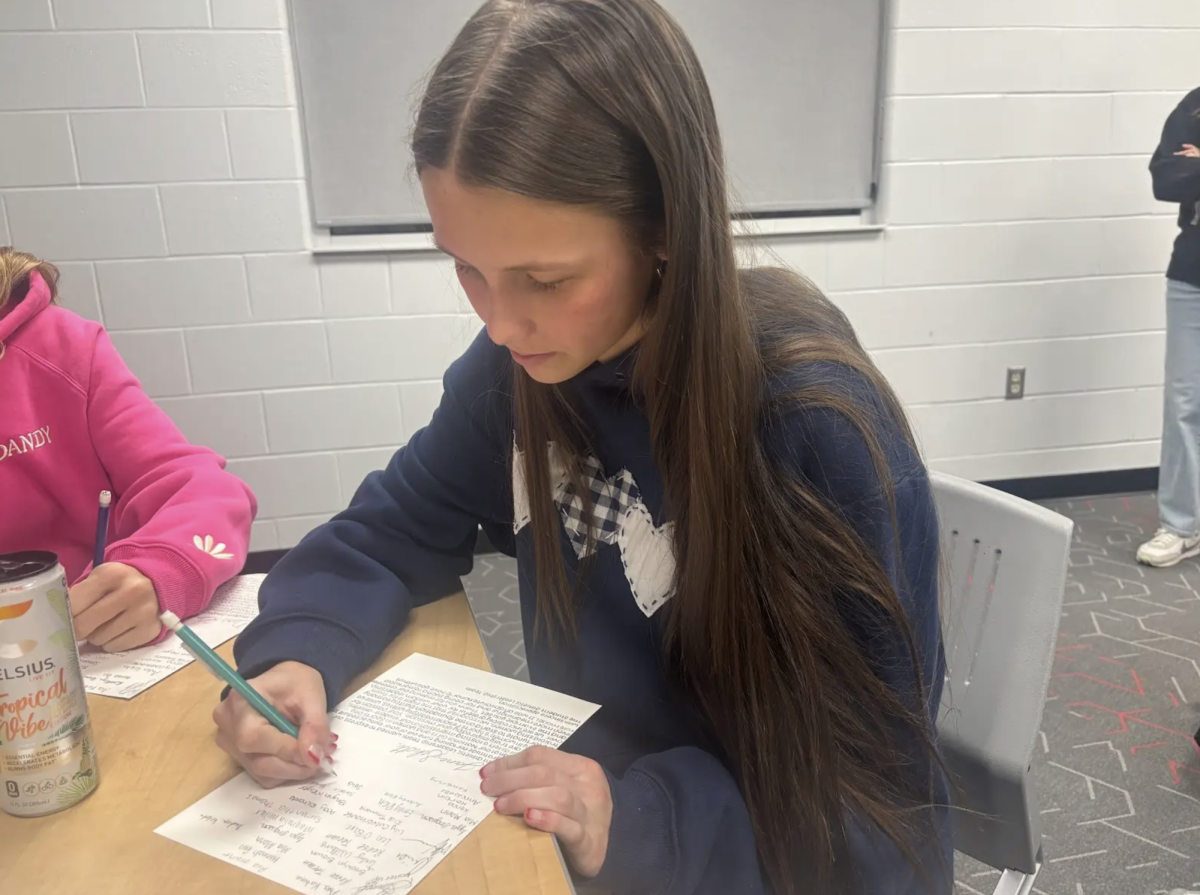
column 74, row 422
column 725, row 535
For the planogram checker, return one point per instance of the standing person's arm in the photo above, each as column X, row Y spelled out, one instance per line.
column 1174, row 170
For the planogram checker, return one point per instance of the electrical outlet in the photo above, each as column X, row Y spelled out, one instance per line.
column 1014, row 385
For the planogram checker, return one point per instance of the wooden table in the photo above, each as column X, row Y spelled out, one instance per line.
column 157, row 756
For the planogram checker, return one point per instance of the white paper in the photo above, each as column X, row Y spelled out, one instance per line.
column 126, row 674
column 407, row 792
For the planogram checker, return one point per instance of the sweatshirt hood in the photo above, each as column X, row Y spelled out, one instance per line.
column 36, row 300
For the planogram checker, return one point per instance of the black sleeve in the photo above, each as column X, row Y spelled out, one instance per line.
column 1177, row 177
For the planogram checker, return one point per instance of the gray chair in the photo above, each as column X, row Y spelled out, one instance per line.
column 1004, row 567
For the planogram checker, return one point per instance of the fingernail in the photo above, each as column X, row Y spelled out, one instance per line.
column 332, row 747
column 315, row 754
column 487, row 769
column 533, row 815
column 333, row 736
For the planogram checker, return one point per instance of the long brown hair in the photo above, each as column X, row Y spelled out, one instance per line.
column 602, row 104
column 15, row 268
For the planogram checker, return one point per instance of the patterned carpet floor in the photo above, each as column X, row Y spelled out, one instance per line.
column 1116, row 769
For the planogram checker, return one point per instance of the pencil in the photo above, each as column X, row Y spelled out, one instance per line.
column 218, row 666
column 102, row 529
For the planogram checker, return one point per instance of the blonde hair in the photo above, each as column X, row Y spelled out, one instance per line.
column 15, row 268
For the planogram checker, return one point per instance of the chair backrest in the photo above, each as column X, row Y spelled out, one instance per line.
column 1006, row 562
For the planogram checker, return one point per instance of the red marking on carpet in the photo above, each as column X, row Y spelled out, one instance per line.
column 1137, row 689
column 1134, row 750
column 1125, row 718
column 1176, row 767
column 1059, row 652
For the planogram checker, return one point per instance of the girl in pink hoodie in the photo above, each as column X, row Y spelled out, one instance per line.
column 74, row 422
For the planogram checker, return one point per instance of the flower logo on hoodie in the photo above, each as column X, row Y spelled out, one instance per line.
column 214, row 549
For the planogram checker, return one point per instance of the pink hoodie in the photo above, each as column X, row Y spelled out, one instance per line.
column 74, row 421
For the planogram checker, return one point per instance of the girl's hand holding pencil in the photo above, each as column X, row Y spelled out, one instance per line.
column 270, row 756
column 115, row 608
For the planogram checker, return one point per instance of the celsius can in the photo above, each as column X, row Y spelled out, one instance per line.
column 47, row 757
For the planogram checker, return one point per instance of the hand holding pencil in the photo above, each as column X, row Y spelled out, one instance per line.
column 115, row 607
column 268, row 753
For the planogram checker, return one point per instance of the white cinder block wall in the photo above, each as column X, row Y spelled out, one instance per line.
column 151, row 148
column 1021, row 229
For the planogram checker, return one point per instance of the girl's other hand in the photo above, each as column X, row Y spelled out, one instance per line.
column 115, row 608
column 556, row 792
column 269, row 756
column 1189, row 150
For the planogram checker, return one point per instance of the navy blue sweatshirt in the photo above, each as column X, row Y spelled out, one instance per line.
column 679, row 822
column 1176, row 178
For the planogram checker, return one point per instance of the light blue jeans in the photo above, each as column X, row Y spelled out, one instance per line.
column 1179, row 473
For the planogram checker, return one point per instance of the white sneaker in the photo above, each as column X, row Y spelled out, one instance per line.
column 1167, row 548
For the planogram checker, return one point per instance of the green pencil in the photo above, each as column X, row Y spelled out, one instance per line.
column 218, row 666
